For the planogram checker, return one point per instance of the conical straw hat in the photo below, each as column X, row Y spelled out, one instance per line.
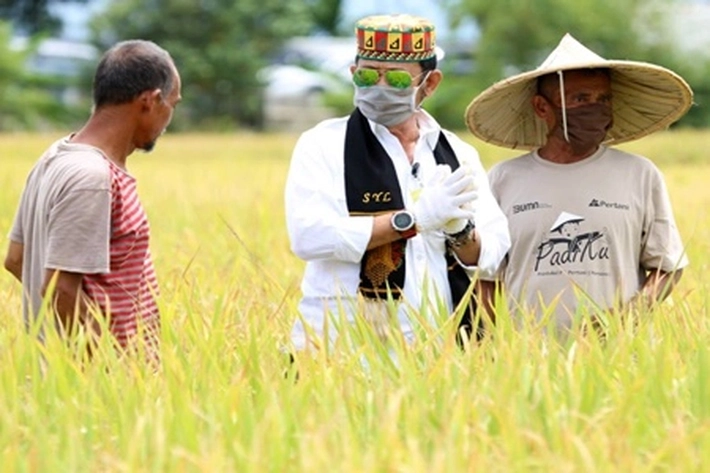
column 645, row 98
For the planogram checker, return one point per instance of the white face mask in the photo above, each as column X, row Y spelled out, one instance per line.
column 387, row 105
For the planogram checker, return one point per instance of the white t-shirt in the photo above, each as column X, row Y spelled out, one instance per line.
column 583, row 234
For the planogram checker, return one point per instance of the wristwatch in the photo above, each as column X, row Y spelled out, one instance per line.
column 403, row 222
column 459, row 239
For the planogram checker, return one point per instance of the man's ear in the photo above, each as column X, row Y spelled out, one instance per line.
column 541, row 106
column 432, row 82
column 149, row 98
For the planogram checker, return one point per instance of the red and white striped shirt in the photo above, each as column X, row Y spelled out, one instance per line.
column 127, row 294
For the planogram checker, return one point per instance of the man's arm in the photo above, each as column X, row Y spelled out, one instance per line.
column 656, row 288
column 487, row 291
column 13, row 259
column 382, row 231
column 469, row 252
column 69, row 303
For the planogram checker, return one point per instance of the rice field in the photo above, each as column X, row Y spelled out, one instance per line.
column 220, row 402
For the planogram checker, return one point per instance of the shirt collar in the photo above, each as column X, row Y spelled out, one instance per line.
column 429, row 128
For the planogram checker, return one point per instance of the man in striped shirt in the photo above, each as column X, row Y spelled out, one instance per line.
column 80, row 239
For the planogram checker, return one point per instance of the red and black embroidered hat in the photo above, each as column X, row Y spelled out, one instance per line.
column 397, row 38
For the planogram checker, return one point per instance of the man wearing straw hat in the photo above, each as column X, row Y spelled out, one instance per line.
column 625, row 249
column 384, row 204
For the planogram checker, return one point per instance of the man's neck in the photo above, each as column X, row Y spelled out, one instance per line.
column 408, row 134
column 108, row 132
column 560, row 152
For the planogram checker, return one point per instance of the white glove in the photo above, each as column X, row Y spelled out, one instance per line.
column 442, row 199
column 456, row 225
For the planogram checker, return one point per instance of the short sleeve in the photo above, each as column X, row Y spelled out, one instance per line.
column 17, row 233
column 79, row 224
column 662, row 246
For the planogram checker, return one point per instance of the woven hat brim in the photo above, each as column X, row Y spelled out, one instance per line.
column 645, row 98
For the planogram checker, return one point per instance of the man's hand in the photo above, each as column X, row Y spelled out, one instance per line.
column 457, row 225
column 442, row 199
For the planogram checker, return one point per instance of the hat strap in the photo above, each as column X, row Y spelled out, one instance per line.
column 564, row 105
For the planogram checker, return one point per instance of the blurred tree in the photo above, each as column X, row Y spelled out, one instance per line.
column 218, row 45
column 29, row 16
column 327, row 15
column 516, row 35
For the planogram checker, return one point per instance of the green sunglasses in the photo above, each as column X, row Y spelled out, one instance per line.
column 398, row 79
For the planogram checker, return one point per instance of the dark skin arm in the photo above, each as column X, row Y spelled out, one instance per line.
column 469, row 252
column 656, row 288
column 69, row 303
column 383, row 233
column 14, row 258
column 487, row 295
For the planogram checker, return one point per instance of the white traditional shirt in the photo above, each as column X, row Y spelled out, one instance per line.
column 333, row 243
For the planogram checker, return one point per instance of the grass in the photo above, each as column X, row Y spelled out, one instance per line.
column 229, row 287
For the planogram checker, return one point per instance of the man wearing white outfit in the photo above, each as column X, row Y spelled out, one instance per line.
column 384, row 204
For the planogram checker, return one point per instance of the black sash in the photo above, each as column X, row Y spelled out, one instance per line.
column 372, row 188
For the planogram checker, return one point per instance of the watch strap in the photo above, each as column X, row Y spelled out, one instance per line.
column 462, row 237
column 407, row 234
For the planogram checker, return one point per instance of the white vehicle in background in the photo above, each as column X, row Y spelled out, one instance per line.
column 62, row 58
column 333, row 55
column 301, row 77
column 289, row 84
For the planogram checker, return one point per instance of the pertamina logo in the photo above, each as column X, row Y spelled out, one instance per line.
column 608, row 205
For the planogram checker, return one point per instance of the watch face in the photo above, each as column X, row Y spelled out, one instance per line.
column 402, row 221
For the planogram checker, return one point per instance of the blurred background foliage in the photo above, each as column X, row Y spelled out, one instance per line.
column 27, row 101
column 220, row 47
column 30, row 16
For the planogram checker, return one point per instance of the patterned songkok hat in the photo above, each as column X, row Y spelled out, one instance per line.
column 398, row 38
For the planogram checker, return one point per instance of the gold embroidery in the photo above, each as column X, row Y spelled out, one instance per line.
column 380, row 264
column 376, row 197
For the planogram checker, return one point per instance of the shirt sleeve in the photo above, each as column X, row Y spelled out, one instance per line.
column 17, row 233
column 78, row 224
column 491, row 223
column 317, row 217
column 662, row 247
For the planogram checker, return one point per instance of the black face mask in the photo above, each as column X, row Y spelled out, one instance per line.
column 587, row 126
